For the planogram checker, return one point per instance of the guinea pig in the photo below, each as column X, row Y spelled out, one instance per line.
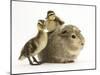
column 64, row 45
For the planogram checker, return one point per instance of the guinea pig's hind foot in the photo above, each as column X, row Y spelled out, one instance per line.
column 70, row 61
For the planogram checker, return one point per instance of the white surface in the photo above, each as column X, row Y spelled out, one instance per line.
column 48, row 67
column 24, row 21
column 4, row 31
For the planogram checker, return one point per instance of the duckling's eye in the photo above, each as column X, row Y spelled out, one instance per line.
column 73, row 36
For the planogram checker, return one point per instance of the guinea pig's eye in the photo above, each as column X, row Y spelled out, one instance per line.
column 73, row 36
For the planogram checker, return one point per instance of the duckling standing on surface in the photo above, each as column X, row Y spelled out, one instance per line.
column 35, row 45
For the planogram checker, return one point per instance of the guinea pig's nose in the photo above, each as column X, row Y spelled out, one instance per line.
column 82, row 43
column 73, row 36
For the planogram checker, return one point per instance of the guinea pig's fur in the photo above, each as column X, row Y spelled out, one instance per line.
column 63, row 45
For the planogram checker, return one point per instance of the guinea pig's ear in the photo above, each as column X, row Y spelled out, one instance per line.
column 63, row 33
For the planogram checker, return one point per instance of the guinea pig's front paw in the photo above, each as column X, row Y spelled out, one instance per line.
column 62, row 61
column 69, row 61
column 57, row 60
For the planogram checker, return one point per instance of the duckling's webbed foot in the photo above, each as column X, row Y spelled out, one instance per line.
column 30, row 62
column 37, row 62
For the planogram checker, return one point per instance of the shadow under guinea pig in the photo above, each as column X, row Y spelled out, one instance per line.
column 64, row 45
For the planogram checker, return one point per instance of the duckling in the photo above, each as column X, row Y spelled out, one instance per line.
column 35, row 45
column 52, row 21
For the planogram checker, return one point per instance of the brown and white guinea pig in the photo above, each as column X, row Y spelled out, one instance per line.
column 63, row 46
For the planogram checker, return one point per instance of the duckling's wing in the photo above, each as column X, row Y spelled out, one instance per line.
column 30, row 47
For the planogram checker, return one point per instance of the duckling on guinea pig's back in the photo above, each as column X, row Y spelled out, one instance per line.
column 53, row 21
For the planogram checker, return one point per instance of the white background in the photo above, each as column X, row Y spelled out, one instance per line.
column 24, row 21
column 5, row 38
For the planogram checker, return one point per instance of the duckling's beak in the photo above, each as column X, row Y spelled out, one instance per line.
column 45, row 30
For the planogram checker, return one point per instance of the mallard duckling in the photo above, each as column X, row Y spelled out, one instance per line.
column 52, row 21
column 36, row 44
